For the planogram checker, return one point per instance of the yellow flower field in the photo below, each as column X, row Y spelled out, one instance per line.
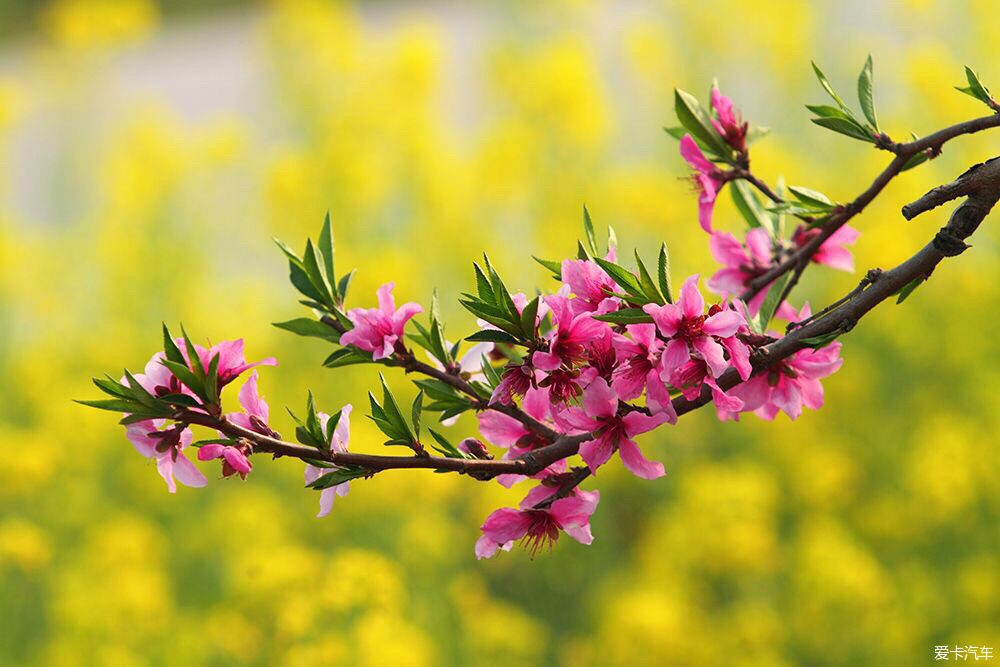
column 861, row 534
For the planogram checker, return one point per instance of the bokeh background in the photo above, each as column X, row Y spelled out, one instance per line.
column 150, row 150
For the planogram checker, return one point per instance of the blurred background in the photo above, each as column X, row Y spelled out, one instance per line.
column 150, row 150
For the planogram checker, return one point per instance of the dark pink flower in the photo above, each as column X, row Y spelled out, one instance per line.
column 689, row 379
column 234, row 458
column 515, row 380
column 504, row 431
column 742, row 263
column 614, row 431
column 377, row 330
column 833, row 252
column 788, row 385
column 568, row 338
column 728, row 123
column 640, row 369
column 539, row 527
column 590, row 287
column 707, row 178
column 690, row 332
column 166, row 447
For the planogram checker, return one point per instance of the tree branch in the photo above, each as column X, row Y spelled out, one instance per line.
column 799, row 260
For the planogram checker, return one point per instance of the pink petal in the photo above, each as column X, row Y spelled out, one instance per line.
column 637, row 422
column 658, row 397
column 596, row 452
column 545, row 361
column 723, row 324
column 506, row 525
column 693, row 155
column 712, row 353
column 600, row 400
column 727, row 250
column 386, row 303
column 209, row 452
column 675, row 355
column 760, row 246
column 690, row 301
column 500, row 429
column 187, row 474
column 666, row 317
column 637, row 464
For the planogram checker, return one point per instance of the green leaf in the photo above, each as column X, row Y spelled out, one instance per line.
column 588, row 232
column 529, row 319
column 186, row 376
column 772, row 301
column 492, row 336
column 749, row 206
column 827, row 87
column 194, row 361
column 444, row 447
column 483, row 287
column 866, row 95
column 113, row 404
column 491, row 373
column 696, row 121
column 331, row 427
column 976, row 88
column 622, row 276
column 347, row 356
column 345, row 282
column 325, row 243
column 822, row 340
column 316, row 275
column 825, row 111
column 113, row 388
column 170, row 348
column 663, row 273
column 908, row 288
column 306, row 326
column 625, row 316
column 646, row 283
column 554, row 267
column 338, row 476
column 848, row 128
column 212, row 379
column 810, row 197
column 416, row 411
column 393, row 413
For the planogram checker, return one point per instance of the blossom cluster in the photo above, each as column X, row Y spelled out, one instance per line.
column 604, row 358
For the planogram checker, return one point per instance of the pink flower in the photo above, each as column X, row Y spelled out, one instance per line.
column 707, row 178
column 742, row 262
column 232, row 362
column 504, row 431
column 234, row 458
column 166, row 447
column 640, row 369
column 254, row 417
column 832, row 252
column 515, row 381
column 568, row 337
column 689, row 378
column 788, row 385
column 690, row 331
column 590, row 286
column 158, row 380
column 729, row 125
column 538, row 527
column 614, row 432
column 338, row 443
column 378, row 330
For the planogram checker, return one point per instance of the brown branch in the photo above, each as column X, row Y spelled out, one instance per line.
column 799, row 260
column 982, row 187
